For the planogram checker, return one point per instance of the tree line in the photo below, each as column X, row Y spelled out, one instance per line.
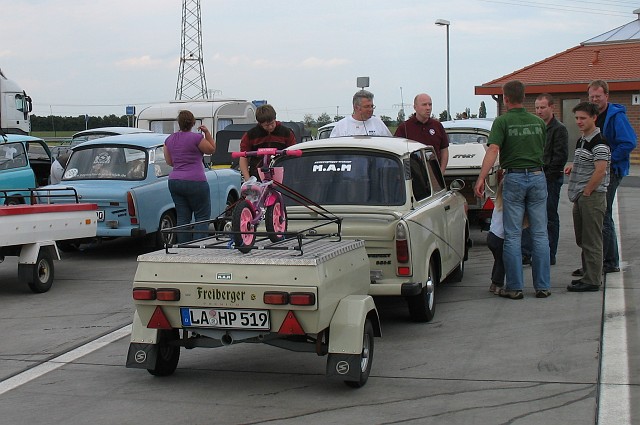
column 80, row 122
column 58, row 123
column 324, row 118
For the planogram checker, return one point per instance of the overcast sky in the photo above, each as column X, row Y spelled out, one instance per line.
column 303, row 56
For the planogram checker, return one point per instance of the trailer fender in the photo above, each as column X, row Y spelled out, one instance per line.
column 143, row 350
column 29, row 252
column 347, row 325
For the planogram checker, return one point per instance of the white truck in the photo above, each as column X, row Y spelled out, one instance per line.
column 15, row 107
column 300, row 296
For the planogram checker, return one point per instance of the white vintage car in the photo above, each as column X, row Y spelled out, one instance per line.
column 467, row 146
column 390, row 193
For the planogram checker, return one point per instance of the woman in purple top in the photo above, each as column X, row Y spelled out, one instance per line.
column 188, row 185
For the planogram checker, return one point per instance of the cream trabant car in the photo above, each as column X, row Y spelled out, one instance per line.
column 390, row 193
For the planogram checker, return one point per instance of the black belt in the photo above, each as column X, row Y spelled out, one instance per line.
column 524, row 170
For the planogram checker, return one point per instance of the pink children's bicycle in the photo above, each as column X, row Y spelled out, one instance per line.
column 260, row 202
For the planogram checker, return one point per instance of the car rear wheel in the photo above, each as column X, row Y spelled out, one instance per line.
column 422, row 307
column 167, row 221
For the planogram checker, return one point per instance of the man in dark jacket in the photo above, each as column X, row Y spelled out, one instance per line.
column 556, row 153
column 619, row 134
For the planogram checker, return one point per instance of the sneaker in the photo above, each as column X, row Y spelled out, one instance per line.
column 610, row 269
column 543, row 294
column 514, row 295
column 552, row 261
column 578, row 272
column 493, row 287
column 526, row 259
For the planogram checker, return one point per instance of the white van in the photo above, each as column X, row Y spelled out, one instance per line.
column 216, row 115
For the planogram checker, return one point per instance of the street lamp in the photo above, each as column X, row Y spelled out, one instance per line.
column 443, row 22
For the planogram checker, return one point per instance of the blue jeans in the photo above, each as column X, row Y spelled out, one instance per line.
column 191, row 198
column 554, row 186
column 525, row 192
column 609, row 238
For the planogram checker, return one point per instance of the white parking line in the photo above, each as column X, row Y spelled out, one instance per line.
column 614, row 405
column 63, row 359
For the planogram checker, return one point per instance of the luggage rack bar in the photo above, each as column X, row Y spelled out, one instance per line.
column 40, row 196
column 223, row 239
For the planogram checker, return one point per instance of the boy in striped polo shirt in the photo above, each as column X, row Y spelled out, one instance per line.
column 588, row 181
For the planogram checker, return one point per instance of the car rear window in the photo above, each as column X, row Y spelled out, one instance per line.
column 462, row 138
column 107, row 163
column 345, row 178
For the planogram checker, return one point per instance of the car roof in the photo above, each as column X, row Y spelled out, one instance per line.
column 19, row 138
column 110, row 131
column 476, row 123
column 396, row 145
column 145, row 140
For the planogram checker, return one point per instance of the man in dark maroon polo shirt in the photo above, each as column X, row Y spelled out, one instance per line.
column 424, row 129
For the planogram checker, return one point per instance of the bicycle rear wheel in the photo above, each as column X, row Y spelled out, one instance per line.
column 276, row 220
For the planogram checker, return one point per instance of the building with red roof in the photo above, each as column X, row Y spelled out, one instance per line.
column 613, row 56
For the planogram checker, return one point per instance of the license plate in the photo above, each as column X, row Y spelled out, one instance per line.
column 221, row 318
column 100, row 215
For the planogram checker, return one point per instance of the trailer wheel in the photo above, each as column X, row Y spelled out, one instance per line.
column 225, row 224
column 276, row 220
column 422, row 307
column 39, row 276
column 366, row 356
column 168, row 355
column 241, row 222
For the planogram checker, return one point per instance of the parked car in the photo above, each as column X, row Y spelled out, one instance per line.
column 127, row 177
column 94, row 133
column 467, row 147
column 25, row 163
column 325, row 131
column 390, row 193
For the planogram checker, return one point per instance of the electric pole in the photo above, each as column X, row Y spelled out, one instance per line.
column 192, row 83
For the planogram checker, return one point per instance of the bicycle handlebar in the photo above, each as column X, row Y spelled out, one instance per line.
column 267, row 151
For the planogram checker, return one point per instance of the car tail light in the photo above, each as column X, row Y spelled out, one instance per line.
column 145, row 294
column 290, row 325
column 275, row 298
column 158, row 320
column 402, row 245
column 131, row 208
column 488, row 205
column 302, row 298
column 168, row 294
column 404, row 271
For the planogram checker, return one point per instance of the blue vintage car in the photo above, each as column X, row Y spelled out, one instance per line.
column 127, row 177
column 25, row 163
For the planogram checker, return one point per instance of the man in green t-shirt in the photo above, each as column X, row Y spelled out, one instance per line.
column 519, row 137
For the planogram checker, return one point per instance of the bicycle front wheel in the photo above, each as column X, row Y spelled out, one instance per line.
column 241, row 222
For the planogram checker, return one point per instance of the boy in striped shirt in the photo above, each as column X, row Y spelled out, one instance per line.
column 588, row 181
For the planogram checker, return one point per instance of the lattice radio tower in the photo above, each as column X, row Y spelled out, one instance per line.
column 192, row 83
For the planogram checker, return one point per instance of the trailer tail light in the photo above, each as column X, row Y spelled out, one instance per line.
column 131, row 208
column 275, row 298
column 158, row 320
column 168, row 294
column 290, row 325
column 302, row 298
column 144, row 294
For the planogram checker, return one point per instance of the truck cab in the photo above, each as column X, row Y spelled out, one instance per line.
column 15, row 107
